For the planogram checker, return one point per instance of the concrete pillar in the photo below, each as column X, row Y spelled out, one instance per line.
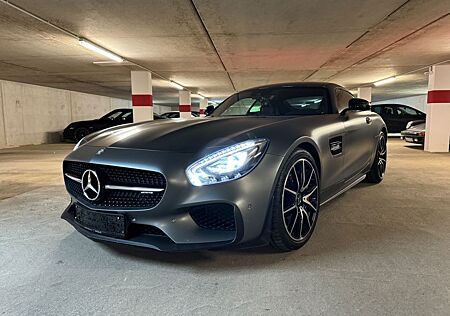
column 142, row 97
column 437, row 131
column 365, row 93
column 185, row 105
column 203, row 105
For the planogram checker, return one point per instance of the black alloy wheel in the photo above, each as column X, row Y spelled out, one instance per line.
column 80, row 133
column 378, row 169
column 296, row 202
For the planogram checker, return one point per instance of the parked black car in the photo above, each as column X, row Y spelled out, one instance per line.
column 176, row 114
column 77, row 130
column 397, row 116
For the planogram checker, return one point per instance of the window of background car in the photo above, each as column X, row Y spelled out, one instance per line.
column 126, row 116
column 407, row 111
column 377, row 109
column 388, row 111
column 113, row 115
column 276, row 102
column 342, row 99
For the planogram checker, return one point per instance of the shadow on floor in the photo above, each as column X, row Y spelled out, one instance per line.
column 416, row 147
column 329, row 241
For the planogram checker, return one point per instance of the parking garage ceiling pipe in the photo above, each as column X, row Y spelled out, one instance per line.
column 78, row 37
column 197, row 13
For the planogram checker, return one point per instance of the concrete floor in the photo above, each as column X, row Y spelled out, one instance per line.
column 382, row 249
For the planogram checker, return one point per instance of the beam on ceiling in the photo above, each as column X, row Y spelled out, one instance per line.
column 197, row 13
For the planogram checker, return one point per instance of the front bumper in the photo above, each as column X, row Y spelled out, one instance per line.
column 249, row 197
column 153, row 241
column 412, row 137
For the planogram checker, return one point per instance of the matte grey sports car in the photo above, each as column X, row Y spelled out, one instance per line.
column 255, row 172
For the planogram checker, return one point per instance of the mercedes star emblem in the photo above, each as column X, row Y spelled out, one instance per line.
column 90, row 184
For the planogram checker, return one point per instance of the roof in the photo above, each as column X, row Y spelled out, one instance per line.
column 296, row 84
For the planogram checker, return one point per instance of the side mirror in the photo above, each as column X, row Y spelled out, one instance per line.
column 357, row 104
column 209, row 109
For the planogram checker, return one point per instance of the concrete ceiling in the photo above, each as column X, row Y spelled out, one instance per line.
column 216, row 46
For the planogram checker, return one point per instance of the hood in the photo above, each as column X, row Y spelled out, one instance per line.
column 185, row 135
column 82, row 123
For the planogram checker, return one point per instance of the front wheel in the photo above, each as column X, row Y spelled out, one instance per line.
column 376, row 173
column 296, row 202
column 80, row 133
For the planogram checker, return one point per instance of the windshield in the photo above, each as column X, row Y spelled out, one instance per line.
column 286, row 101
column 115, row 114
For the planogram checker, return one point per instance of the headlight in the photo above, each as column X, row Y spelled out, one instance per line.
column 227, row 164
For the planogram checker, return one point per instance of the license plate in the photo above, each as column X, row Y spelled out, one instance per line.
column 107, row 224
column 409, row 139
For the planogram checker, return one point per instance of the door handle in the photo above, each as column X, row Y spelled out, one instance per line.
column 368, row 120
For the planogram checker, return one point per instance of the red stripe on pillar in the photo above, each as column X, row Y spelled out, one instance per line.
column 438, row 96
column 202, row 111
column 185, row 108
column 142, row 100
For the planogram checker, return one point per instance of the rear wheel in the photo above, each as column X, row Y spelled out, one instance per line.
column 376, row 173
column 80, row 133
column 296, row 202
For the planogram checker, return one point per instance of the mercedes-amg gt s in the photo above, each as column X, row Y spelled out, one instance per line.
column 256, row 171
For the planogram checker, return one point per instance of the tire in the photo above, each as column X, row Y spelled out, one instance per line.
column 296, row 201
column 79, row 133
column 378, row 169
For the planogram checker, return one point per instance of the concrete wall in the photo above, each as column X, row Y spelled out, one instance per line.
column 2, row 121
column 32, row 114
column 418, row 101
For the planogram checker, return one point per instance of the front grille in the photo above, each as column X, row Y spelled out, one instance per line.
column 110, row 175
column 218, row 216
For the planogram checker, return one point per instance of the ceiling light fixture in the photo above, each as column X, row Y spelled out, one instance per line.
column 176, row 85
column 385, row 81
column 99, row 50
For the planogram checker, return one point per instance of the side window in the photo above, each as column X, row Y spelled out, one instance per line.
column 389, row 111
column 114, row 115
column 377, row 109
column 408, row 111
column 127, row 117
column 342, row 98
